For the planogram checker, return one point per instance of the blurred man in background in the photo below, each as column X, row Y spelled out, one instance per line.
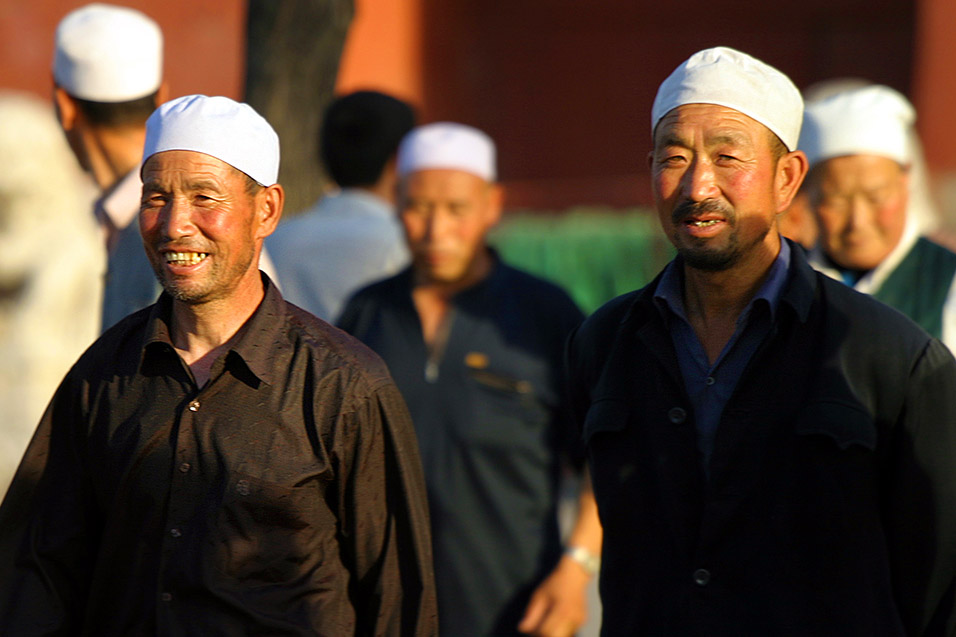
column 220, row 462
column 476, row 347
column 860, row 153
column 108, row 78
column 352, row 237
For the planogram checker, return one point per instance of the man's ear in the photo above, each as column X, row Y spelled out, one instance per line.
column 495, row 203
column 790, row 173
column 162, row 94
column 270, row 201
column 66, row 110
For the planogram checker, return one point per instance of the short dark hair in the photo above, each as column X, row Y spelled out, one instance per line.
column 360, row 133
column 777, row 148
column 118, row 114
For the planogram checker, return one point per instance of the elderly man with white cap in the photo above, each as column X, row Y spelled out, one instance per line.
column 221, row 462
column 107, row 80
column 476, row 348
column 858, row 145
column 771, row 452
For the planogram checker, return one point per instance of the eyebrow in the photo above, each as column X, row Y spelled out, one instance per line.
column 670, row 139
column 192, row 186
column 203, row 184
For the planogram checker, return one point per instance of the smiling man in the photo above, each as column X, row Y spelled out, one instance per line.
column 221, row 462
column 771, row 452
column 858, row 145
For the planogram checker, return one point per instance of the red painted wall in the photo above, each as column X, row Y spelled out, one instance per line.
column 204, row 42
column 565, row 87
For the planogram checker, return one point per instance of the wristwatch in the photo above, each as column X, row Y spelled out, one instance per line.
column 590, row 562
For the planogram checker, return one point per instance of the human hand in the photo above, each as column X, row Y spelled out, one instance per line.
column 558, row 607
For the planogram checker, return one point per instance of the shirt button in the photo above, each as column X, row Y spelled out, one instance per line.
column 677, row 415
column 175, row 532
column 185, row 467
column 710, row 381
column 194, row 405
column 166, row 597
column 702, row 577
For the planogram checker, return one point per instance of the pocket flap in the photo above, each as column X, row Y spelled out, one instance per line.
column 846, row 424
column 605, row 415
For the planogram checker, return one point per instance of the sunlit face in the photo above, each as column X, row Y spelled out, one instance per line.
column 201, row 228
column 446, row 215
column 860, row 202
column 715, row 185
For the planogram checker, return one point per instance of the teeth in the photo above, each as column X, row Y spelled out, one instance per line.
column 701, row 224
column 185, row 258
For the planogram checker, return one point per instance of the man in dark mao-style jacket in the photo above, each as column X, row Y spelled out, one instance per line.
column 772, row 453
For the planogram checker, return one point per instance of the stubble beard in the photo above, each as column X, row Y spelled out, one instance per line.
column 702, row 253
column 196, row 292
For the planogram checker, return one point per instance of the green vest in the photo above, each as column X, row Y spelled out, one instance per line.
column 920, row 283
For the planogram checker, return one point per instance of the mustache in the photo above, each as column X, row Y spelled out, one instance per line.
column 689, row 208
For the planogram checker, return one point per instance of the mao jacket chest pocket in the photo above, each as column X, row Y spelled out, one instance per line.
column 604, row 417
column 843, row 424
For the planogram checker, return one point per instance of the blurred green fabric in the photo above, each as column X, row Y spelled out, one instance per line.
column 593, row 253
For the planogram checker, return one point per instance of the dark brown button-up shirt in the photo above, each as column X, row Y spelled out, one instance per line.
column 285, row 497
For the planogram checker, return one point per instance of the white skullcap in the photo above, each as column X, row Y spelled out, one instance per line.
column 450, row 146
column 106, row 53
column 727, row 77
column 218, row 127
column 872, row 120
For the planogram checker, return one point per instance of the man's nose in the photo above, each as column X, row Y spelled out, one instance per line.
column 177, row 219
column 699, row 181
column 861, row 212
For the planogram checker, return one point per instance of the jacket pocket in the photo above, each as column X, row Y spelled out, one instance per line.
column 604, row 416
column 845, row 424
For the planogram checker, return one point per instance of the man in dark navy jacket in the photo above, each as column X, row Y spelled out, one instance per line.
column 772, row 453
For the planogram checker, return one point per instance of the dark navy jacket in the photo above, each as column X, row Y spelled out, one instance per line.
column 492, row 430
column 831, row 504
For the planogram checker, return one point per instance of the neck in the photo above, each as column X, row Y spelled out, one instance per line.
column 112, row 153
column 479, row 269
column 202, row 331
column 432, row 299
column 384, row 188
column 716, row 296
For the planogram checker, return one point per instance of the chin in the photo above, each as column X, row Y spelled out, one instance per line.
column 857, row 262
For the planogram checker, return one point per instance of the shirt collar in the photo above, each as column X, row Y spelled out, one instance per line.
column 258, row 342
column 121, row 202
column 669, row 294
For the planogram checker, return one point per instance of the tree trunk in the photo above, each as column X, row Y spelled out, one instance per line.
column 292, row 59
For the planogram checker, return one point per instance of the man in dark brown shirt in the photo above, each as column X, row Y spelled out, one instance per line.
column 222, row 462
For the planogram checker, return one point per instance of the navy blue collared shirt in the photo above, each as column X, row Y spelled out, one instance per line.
column 709, row 387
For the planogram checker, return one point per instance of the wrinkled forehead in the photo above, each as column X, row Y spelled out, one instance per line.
column 863, row 171
column 190, row 166
column 442, row 182
column 691, row 124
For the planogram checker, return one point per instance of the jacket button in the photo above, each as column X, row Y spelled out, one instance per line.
column 702, row 577
column 677, row 415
